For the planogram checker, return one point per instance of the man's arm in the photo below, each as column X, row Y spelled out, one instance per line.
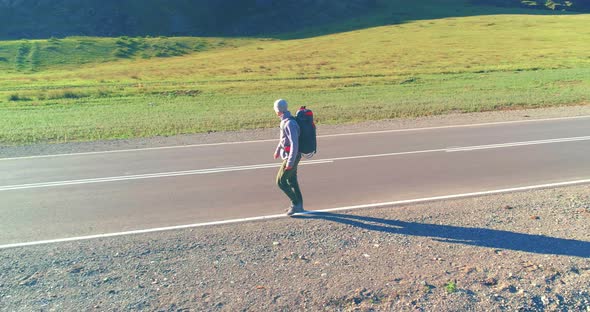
column 277, row 153
column 292, row 132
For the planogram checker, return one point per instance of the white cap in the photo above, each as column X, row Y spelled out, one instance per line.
column 280, row 106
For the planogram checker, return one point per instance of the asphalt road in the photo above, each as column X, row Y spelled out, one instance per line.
column 64, row 196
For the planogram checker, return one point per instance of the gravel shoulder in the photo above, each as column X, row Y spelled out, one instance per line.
column 525, row 251
column 262, row 134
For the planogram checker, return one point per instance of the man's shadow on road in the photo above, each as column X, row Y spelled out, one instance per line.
column 499, row 239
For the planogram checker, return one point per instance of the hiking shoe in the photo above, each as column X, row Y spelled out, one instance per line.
column 298, row 208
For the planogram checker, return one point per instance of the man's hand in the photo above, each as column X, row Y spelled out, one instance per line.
column 288, row 168
column 276, row 155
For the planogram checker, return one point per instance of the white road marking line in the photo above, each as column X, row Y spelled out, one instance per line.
column 161, row 229
column 138, row 149
column 274, row 140
column 457, row 126
column 151, row 175
column 277, row 216
column 274, row 165
column 388, row 154
column 457, row 196
column 524, row 143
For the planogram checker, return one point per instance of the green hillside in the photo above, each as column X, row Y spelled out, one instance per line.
column 40, row 55
column 483, row 58
column 60, row 18
column 42, row 19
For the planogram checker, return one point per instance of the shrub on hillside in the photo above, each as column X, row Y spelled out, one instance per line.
column 65, row 94
column 71, row 94
column 571, row 5
column 15, row 97
column 201, row 46
column 121, row 52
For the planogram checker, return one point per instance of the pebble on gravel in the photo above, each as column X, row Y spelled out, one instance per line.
column 490, row 281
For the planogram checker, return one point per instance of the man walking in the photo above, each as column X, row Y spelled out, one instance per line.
column 288, row 149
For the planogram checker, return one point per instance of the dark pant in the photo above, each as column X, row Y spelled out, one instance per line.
column 287, row 182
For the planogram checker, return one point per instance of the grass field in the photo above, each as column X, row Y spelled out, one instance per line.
column 78, row 89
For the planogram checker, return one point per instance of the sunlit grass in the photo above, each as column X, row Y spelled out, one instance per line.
column 419, row 68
